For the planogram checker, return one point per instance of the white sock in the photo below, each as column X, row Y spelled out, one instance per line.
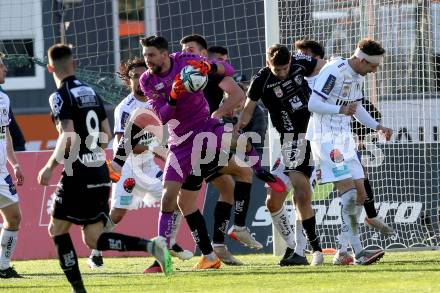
column 177, row 219
column 8, row 239
column 349, row 227
column 281, row 222
column 343, row 242
column 300, row 238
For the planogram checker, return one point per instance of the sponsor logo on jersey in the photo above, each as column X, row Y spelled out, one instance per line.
column 336, row 156
column 124, row 118
column 56, row 103
column 278, row 91
column 130, row 101
column 298, row 79
column 92, row 158
column 159, row 86
column 345, row 90
column 287, row 82
column 287, row 124
column 329, row 84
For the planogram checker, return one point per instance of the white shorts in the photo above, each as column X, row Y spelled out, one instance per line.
column 147, row 189
column 8, row 193
column 336, row 162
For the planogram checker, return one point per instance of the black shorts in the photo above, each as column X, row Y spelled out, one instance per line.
column 209, row 171
column 81, row 203
column 296, row 154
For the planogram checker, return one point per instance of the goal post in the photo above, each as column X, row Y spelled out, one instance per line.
column 405, row 171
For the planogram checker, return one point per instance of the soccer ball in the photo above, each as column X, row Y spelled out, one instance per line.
column 192, row 79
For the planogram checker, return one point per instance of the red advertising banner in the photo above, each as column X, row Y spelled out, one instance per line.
column 35, row 201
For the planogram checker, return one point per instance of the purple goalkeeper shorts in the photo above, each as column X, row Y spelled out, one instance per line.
column 180, row 159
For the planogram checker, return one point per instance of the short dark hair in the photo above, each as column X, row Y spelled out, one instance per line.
column 218, row 49
column 155, row 41
column 316, row 48
column 127, row 66
column 59, row 52
column 371, row 47
column 195, row 38
column 278, row 55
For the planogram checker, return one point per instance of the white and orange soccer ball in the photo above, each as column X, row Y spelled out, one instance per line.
column 192, row 79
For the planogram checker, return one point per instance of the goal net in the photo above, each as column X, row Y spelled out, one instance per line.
column 404, row 172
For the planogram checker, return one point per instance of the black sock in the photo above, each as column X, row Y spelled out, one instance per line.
column 222, row 214
column 242, row 197
column 309, row 226
column 68, row 259
column 121, row 242
column 197, row 225
column 369, row 202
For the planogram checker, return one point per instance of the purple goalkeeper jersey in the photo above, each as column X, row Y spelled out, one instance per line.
column 191, row 110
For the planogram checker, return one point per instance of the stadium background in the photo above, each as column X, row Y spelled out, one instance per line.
column 106, row 31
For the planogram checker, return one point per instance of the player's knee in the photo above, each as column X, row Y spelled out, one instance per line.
column 244, row 174
column 302, row 197
column 91, row 240
column 273, row 204
column 12, row 222
column 186, row 206
column 117, row 215
column 168, row 201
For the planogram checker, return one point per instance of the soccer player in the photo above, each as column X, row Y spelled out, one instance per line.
column 218, row 52
column 83, row 190
column 187, row 117
column 141, row 177
column 214, row 91
column 9, row 207
column 316, row 50
column 337, row 95
column 284, row 92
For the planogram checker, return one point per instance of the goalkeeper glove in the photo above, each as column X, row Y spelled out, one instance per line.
column 176, row 91
column 203, row 66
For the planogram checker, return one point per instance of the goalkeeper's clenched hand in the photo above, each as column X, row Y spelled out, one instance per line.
column 203, row 66
column 177, row 90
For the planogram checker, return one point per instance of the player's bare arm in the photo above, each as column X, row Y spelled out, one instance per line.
column 12, row 159
column 105, row 127
column 246, row 114
column 235, row 96
column 63, row 146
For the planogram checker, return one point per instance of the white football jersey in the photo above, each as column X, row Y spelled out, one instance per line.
column 4, row 123
column 336, row 84
column 122, row 115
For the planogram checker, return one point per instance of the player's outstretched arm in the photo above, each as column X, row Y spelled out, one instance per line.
column 235, row 96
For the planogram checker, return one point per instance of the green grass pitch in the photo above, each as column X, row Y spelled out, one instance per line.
column 396, row 272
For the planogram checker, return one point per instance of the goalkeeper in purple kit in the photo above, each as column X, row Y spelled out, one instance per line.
column 188, row 118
